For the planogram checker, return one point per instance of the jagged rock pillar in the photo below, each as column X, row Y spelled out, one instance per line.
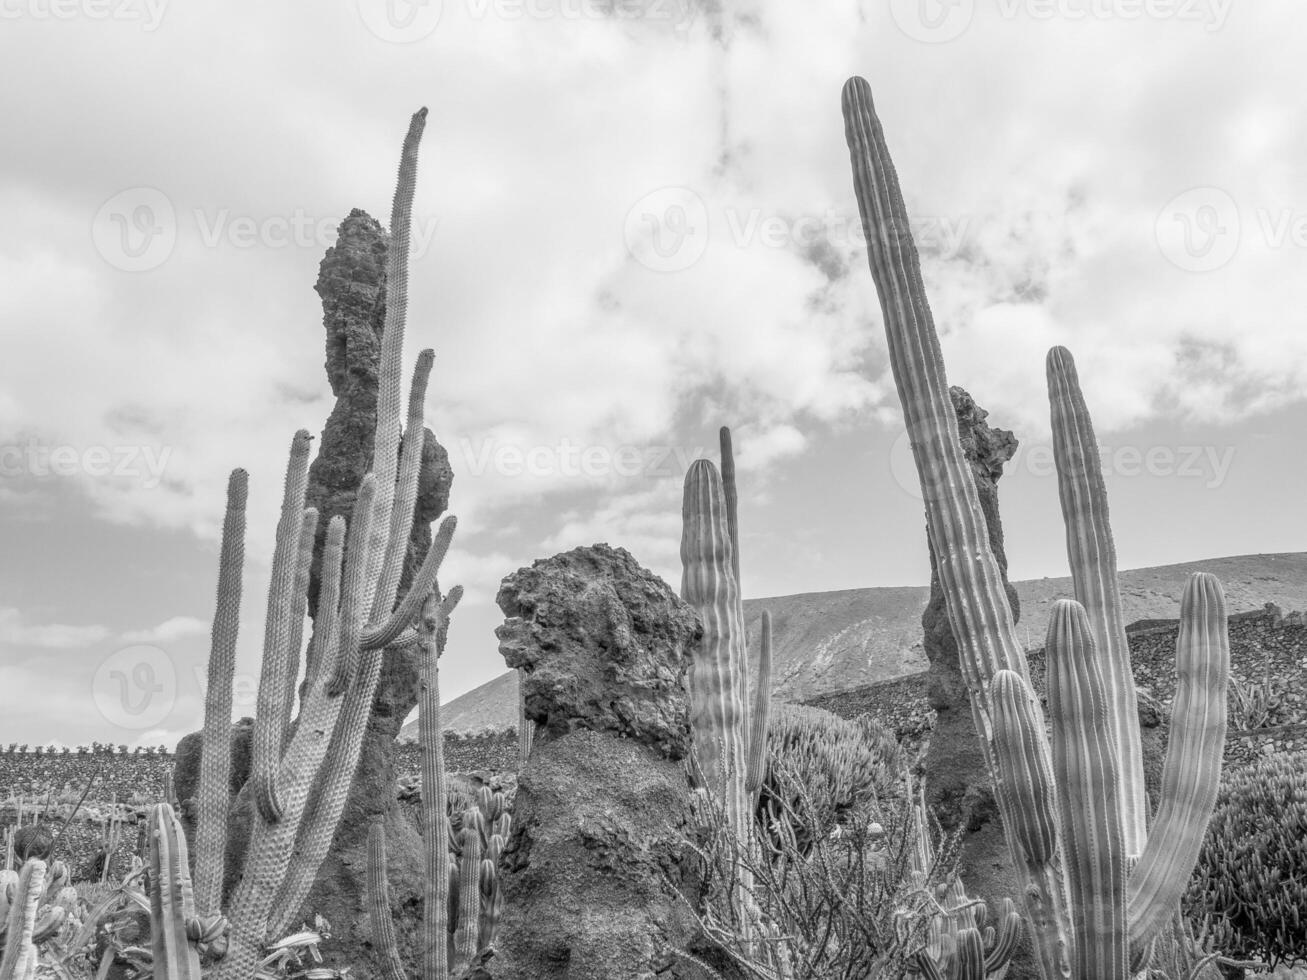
column 591, row 871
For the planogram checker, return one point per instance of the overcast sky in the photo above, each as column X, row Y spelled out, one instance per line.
column 634, row 223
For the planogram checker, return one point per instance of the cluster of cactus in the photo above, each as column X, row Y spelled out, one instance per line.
column 311, row 756
column 36, row 902
column 845, row 765
column 1098, row 885
column 960, row 942
column 1250, row 885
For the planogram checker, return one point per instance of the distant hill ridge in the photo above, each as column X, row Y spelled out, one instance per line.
column 825, row 642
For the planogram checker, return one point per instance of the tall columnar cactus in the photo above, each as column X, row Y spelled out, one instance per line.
column 302, row 769
column 174, row 928
column 717, row 681
column 379, row 914
column 1074, row 866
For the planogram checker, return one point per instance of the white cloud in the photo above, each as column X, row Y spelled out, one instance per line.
column 51, row 636
column 169, row 629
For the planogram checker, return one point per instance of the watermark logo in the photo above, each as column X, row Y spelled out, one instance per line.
column 1199, row 229
column 135, row 688
column 1209, row 465
column 400, row 21
column 933, row 21
column 667, row 230
column 136, row 229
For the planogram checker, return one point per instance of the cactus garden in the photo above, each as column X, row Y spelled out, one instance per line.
column 697, row 779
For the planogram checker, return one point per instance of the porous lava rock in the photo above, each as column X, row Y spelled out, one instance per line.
column 594, row 874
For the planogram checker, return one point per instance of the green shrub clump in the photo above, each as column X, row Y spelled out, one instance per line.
column 844, row 765
column 1250, row 884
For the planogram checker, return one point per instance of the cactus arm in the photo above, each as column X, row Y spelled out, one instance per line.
column 435, row 796
column 171, row 901
column 352, row 586
column 410, row 606
column 389, row 382
column 1027, row 800
column 708, row 584
column 759, row 717
column 1087, row 776
column 276, row 640
column 19, row 960
column 1192, row 772
column 732, row 499
column 308, row 535
column 215, row 756
column 1091, row 553
column 383, row 923
column 1005, row 940
column 401, row 518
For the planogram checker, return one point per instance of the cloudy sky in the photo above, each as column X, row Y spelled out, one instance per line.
column 634, row 223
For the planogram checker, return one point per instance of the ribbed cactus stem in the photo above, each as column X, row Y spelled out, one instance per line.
column 410, row 466
column 215, row 756
column 19, row 960
column 172, row 903
column 1087, row 776
column 760, row 716
column 972, row 581
column 732, row 499
column 308, row 535
column 1091, row 553
column 469, row 893
column 389, row 373
column 716, row 677
column 273, row 685
column 1191, row 774
column 492, row 904
column 379, row 914
column 435, row 797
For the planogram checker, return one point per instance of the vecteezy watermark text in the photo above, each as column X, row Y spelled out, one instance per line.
column 568, row 459
column 37, row 459
column 137, row 229
column 940, row 21
column 149, row 13
column 668, row 230
column 1208, row 464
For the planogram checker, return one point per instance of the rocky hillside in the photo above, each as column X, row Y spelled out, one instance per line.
column 829, row 642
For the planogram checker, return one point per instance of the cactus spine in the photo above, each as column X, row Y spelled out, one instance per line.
column 1075, row 914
